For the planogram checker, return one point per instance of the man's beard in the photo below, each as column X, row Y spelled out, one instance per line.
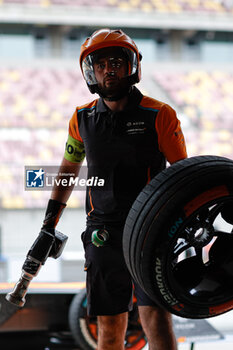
column 114, row 92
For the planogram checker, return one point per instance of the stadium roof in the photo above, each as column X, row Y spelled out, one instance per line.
column 115, row 17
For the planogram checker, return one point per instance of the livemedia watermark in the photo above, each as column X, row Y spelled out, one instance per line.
column 44, row 178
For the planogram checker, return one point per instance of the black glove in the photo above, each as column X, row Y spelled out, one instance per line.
column 53, row 213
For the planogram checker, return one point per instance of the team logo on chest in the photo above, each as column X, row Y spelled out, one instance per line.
column 135, row 127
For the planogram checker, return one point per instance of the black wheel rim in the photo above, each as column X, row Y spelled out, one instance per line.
column 200, row 258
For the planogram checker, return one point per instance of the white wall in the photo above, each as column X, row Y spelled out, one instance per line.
column 19, row 228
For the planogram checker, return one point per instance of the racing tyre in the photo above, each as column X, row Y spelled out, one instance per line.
column 178, row 238
column 85, row 331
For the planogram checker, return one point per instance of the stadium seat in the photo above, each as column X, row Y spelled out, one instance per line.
column 205, row 97
column 34, row 120
column 171, row 6
column 41, row 96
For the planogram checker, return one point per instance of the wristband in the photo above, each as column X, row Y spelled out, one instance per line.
column 53, row 213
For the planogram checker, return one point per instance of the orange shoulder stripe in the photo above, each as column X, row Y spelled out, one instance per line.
column 151, row 103
column 73, row 125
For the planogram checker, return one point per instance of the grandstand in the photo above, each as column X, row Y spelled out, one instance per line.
column 157, row 5
column 205, row 97
column 198, row 14
column 34, row 123
column 187, row 49
column 34, row 120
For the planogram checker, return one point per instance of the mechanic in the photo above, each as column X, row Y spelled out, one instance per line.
column 127, row 138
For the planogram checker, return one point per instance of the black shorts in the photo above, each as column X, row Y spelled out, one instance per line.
column 108, row 281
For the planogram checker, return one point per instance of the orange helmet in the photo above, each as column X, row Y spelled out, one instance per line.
column 106, row 38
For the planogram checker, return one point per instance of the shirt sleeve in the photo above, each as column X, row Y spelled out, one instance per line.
column 170, row 136
column 74, row 151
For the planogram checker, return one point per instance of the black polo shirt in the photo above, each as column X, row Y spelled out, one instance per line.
column 120, row 147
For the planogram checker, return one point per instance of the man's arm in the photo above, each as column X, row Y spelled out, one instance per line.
column 49, row 242
column 67, row 167
column 60, row 194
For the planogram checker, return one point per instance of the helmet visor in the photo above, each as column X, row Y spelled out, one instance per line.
column 115, row 56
